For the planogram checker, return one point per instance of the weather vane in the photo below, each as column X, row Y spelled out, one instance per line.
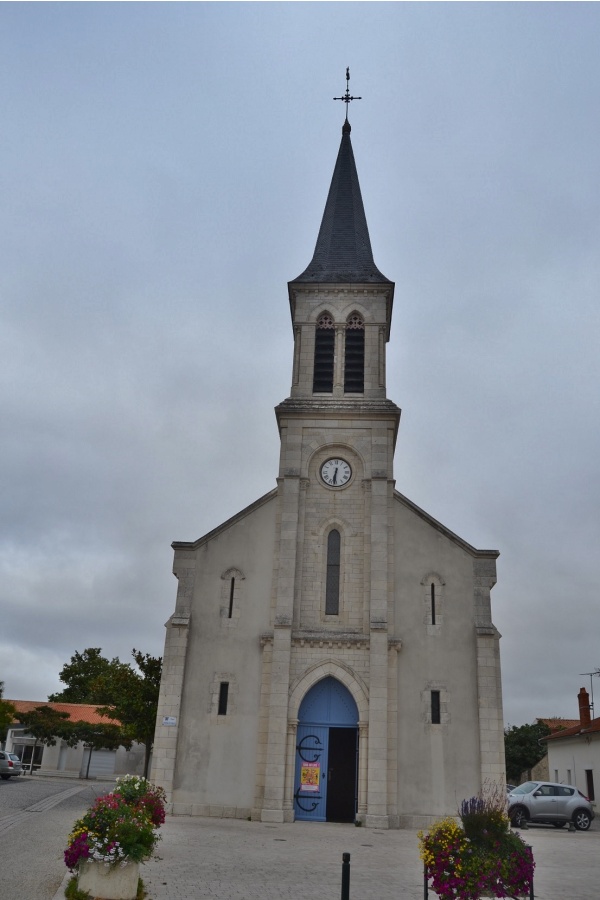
column 347, row 98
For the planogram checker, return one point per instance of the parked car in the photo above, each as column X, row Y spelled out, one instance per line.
column 10, row 764
column 549, row 803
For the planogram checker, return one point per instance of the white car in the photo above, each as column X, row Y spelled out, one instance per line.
column 10, row 765
column 549, row 803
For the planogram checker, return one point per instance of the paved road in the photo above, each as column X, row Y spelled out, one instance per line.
column 36, row 815
column 226, row 859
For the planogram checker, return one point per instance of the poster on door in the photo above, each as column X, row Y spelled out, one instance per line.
column 310, row 776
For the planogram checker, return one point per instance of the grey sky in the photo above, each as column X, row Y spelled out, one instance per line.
column 164, row 170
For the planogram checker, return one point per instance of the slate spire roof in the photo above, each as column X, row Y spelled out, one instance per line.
column 343, row 250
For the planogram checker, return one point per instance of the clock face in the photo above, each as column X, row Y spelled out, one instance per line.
column 336, row 472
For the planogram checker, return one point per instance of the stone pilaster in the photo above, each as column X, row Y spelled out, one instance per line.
column 272, row 810
column 169, row 705
column 489, row 681
column 377, row 799
column 289, row 488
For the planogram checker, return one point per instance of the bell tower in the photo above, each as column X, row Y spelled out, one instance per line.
column 333, row 578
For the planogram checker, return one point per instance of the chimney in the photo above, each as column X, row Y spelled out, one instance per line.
column 584, row 708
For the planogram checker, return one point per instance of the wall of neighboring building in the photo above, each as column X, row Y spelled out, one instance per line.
column 540, row 772
column 569, row 758
column 60, row 759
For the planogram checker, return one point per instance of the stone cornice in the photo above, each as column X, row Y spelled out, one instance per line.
column 337, row 408
column 340, row 640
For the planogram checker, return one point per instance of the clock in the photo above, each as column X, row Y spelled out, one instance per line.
column 336, row 472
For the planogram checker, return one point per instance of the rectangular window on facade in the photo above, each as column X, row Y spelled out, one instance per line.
column 568, row 776
column 556, row 774
column 589, row 778
column 435, row 708
column 332, row 584
column 231, row 595
column 223, row 694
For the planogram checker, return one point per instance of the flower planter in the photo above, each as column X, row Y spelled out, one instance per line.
column 116, row 833
column 107, row 882
column 487, row 861
column 484, row 895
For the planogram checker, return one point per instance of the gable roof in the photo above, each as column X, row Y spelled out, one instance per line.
column 78, row 712
column 574, row 731
column 489, row 554
column 556, row 723
column 248, row 510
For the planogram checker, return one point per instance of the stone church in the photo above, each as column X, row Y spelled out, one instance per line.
column 332, row 656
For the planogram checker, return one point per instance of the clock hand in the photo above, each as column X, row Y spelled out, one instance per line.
column 335, row 476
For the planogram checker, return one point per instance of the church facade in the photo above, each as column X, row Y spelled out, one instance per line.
column 332, row 655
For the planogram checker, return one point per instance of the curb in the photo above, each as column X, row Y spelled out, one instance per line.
column 60, row 894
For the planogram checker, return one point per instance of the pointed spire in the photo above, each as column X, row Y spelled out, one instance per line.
column 343, row 251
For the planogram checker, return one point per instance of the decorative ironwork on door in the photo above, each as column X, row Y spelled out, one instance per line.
column 310, row 752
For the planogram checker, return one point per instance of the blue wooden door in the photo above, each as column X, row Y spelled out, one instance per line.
column 310, row 789
column 328, row 704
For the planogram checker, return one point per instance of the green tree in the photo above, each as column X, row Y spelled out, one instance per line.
column 134, row 698
column 7, row 714
column 86, row 678
column 120, row 691
column 523, row 747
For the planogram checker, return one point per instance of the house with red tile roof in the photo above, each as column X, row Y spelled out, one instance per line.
column 574, row 751
column 61, row 760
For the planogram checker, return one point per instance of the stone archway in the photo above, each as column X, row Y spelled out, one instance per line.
column 357, row 694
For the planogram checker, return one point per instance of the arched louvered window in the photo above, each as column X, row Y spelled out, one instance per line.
column 332, row 586
column 354, row 360
column 324, row 355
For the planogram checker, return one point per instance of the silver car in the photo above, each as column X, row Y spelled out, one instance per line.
column 549, row 803
column 10, row 764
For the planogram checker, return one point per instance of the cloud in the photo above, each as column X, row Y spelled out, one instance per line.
column 164, row 175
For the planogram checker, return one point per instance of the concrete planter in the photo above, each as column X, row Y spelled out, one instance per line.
column 105, row 883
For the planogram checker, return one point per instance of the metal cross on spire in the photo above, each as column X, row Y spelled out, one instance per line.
column 347, row 98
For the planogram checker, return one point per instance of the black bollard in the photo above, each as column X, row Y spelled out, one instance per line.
column 345, row 876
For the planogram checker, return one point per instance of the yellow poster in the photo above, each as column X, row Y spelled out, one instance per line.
column 310, row 776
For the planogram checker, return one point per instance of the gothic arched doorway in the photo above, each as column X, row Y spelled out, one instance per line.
column 325, row 786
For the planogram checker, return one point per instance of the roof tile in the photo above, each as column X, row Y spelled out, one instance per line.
column 78, row 712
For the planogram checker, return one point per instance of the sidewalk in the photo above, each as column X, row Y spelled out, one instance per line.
column 223, row 859
column 229, row 859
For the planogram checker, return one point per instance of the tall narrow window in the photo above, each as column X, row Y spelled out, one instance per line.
column 435, row 708
column 223, row 694
column 332, row 586
column 324, row 355
column 432, row 603
column 354, row 361
column 231, row 594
